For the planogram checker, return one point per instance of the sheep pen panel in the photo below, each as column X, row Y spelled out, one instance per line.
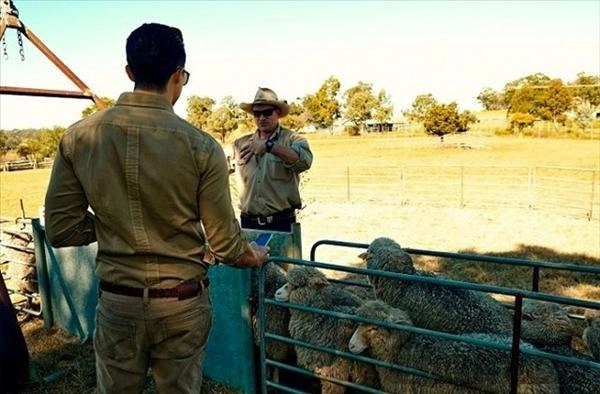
column 559, row 357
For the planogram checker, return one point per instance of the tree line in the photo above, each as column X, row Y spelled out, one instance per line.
column 532, row 98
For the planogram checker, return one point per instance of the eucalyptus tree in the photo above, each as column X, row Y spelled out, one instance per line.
column 199, row 110
column 323, row 107
column 360, row 104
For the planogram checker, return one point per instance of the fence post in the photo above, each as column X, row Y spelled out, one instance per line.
column 401, row 185
column 532, row 174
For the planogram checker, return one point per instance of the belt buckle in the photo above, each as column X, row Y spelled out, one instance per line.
column 268, row 220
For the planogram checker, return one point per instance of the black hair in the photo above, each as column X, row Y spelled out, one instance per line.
column 154, row 52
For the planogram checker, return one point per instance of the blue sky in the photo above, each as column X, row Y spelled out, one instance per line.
column 452, row 49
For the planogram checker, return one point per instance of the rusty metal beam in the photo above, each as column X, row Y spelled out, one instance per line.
column 18, row 91
column 10, row 18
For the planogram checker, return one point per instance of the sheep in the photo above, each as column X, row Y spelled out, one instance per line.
column 464, row 367
column 308, row 286
column 572, row 378
column 546, row 323
column 591, row 334
column 277, row 318
column 432, row 306
column 356, row 283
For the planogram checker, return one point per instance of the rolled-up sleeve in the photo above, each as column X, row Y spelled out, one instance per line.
column 305, row 156
column 67, row 219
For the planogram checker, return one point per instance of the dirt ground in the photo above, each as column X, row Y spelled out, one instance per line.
column 445, row 229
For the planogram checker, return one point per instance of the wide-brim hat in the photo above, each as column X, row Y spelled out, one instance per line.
column 265, row 96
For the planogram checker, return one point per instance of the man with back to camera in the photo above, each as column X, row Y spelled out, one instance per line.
column 269, row 163
column 158, row 188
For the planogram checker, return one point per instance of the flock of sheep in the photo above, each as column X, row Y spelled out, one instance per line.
column 409, row 360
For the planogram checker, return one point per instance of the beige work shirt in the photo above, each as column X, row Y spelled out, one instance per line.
column 158, row 188
column 266, row 184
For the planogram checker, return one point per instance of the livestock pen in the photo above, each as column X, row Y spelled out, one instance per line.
column 516, row 297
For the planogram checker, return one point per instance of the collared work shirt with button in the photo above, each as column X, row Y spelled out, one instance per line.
column 158, row 188
column 265, row 183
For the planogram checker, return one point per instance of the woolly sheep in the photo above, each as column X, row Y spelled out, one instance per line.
column 432, row 306
column 546, row 323
column 358, row 284
column 309, row 286
column 277, row 318
column 469, row 367
column 574, row 379
column 591, row 334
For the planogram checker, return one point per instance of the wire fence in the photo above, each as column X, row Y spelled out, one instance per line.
column 573, row 191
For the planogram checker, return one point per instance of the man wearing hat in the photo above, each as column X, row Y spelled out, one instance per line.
column 269, row 163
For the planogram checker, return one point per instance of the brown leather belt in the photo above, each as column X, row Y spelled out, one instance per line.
column 182, row 291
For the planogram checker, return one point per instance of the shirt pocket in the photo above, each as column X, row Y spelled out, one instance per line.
column 277, row 170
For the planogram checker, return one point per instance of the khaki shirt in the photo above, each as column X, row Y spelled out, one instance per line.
column 158, row 188
column 266, row 184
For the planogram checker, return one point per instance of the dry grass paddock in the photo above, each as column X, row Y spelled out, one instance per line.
column 500, row 231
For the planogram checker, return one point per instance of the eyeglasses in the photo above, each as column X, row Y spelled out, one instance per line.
column 265, row 112
column 186, row 76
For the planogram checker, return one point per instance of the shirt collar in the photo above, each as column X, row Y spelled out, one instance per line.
column 275, row 134
column 145, row 99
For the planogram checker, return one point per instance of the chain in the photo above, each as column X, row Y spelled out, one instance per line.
column 21, row 49
column 4, row 51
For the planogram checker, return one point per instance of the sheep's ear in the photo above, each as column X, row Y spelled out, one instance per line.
column 364, row 255
column 317, row 282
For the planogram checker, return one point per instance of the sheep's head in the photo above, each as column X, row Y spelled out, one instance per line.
column 546, row 323
column 386, row 255
column 377, row 337
column 300, row 277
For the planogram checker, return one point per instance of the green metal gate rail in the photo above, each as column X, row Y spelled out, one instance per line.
column 535, row 265
column 514, row 348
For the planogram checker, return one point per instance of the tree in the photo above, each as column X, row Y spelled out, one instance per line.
column 583, row 112
column 422, row 104
column 557, row 99
column 545, row 100
column 465, row 119
column 491, row 100
column 384, row 109
column 221, row 122
column 442, row 119
column 524, row 100
column 519, row 121
column 587, row 87
column 533, row 80
column 3, row 142
column 92, row 109
column 198, row 110
column 296, row 119
column 360, row 103
column 41, row 145
column 323, row 108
